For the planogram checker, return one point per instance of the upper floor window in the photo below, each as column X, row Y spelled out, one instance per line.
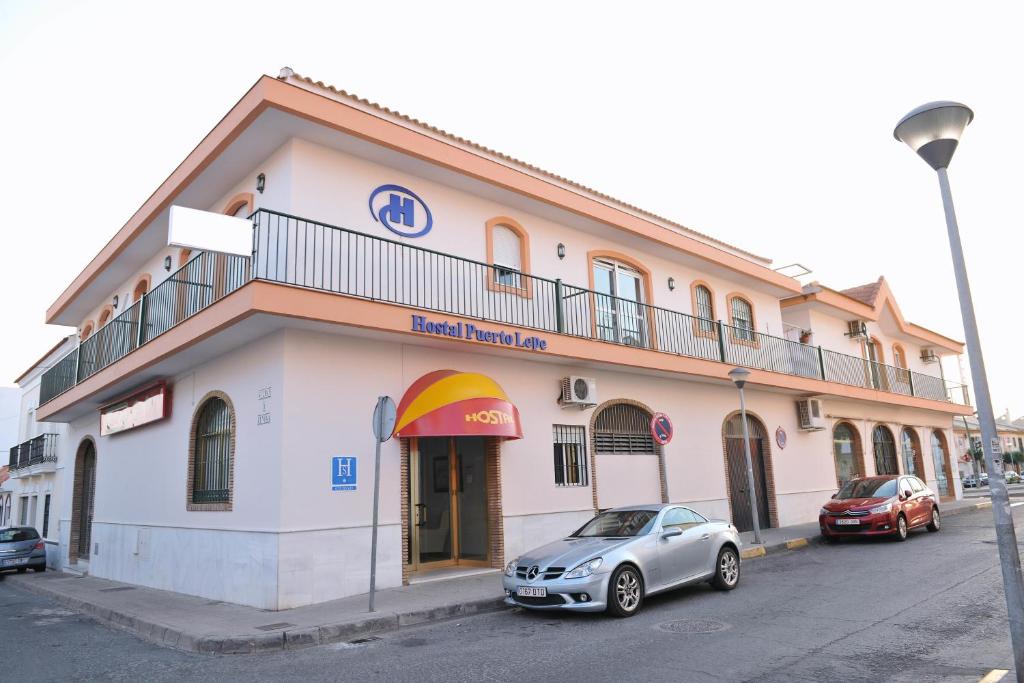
column 141, row 288
column 86, row 331
column 899, row 356
column 507, row 258
column 104, row 317
column 705, row 307
column 742, row 318
column 619, row 303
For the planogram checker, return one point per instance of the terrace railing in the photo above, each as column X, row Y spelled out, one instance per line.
column 296, row 251
column 35, row 451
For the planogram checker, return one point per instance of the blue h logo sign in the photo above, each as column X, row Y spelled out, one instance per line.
column 403, row 207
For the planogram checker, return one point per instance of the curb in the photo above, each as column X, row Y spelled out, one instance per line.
column 289, row 639
column 753, row 552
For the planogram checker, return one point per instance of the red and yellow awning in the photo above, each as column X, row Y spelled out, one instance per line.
column 452, row 403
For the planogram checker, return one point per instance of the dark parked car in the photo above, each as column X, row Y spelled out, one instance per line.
column 22, row 548
column 888, row 505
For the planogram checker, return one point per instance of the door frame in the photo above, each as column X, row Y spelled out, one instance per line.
column 413, row 481
column 78, row 511
column 766, row 464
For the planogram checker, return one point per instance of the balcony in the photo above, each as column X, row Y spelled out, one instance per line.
column 35, row 456
column 298, row 252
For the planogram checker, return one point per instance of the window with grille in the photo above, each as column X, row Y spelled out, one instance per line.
column 211, row 471
column 705, row 308
column 743, row 319
column 623, row 429
column 570, row 443
column 46, row 515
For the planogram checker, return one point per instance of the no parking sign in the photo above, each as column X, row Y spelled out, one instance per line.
column 661, row 428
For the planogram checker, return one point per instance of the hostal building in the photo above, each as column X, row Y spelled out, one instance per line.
column 218, row 406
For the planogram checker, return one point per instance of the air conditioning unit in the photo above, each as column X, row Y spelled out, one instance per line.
column 809, row 415
column 857, row 329
column 928, row 356
column 578, row 391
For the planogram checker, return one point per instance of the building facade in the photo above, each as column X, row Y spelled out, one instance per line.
column 967, row 435
column 551, row 351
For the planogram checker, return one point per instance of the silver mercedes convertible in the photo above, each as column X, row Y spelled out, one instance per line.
column 623, row 555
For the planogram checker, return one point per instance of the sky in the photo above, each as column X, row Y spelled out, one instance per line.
column 767, row 125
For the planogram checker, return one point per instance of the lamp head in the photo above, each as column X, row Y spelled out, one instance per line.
column 933, row 131
column 739, row 376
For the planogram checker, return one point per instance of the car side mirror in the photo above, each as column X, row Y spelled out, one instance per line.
column 905, row 495
column 835, row 494
column 669, row 533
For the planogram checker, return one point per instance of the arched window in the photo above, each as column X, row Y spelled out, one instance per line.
column 211, row 455
column 86, row 331
column 509, row 254
column 940, row 458
column 703, row 308
column 846, row 450
column 911, row 449
column 623, row 428
column 105, row 315
column 885, row 451
column 620, row 294
column 742, row 315
column 899, row 356
column 141, row 288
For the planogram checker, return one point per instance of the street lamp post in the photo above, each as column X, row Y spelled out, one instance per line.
column 933, row 131
column 739, row 378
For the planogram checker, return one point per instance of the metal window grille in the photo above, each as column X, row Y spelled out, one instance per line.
column 570, row 446
column 623, row 429
column 212, row 466
column 705, row 309
column 46, row 515
column 743, row 319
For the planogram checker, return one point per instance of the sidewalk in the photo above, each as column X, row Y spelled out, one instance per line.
column 197, row 624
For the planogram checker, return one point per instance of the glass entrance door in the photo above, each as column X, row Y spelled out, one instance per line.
column 448, row 507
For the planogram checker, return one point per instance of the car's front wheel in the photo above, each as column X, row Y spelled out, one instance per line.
column 727, row 570
column 625, row 592
column 901, row 528
column 936, row 523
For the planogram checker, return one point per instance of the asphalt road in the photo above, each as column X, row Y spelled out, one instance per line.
column 928, row 609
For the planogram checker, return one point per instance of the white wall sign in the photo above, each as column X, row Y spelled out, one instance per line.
column 208, row 231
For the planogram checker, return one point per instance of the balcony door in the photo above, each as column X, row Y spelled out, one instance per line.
column 618, row 304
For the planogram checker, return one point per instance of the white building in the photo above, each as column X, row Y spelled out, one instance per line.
column 532, row 331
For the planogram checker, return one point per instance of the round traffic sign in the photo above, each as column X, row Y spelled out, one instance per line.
column 661, row 428
column 383, row 418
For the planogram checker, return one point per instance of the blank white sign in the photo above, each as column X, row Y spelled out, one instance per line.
column 208, row 231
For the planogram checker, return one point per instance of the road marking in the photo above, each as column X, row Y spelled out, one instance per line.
column 994, row 675
column 1013, row 505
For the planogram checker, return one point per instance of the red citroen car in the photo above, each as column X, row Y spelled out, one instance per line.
column 886, row 505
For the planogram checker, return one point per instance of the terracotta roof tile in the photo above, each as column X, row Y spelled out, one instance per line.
column 288, row 73
column 866, row 293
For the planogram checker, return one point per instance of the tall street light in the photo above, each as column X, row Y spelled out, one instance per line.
column 739, row 378
column 933, row 131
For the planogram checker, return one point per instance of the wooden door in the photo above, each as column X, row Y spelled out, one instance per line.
column 737, row 463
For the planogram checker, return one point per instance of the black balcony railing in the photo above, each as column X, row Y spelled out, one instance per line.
column 299, row 252
column 35, row 451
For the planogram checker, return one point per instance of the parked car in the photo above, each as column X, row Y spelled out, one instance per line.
column 621, row 556
column 21, row 548
column 1011, row 477
column 984, row 478
column 970, row 482
column 886, row 505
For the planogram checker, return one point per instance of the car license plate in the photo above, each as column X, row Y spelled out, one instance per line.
column 16, row 561
column 532, row 592
column 850, row 522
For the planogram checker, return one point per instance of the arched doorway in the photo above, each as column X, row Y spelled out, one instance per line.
column 848, row 453
column 736, row 471
column 910, row 447
column 943, row 470
column 83, row 502
column 627, row 464
column 885, row 451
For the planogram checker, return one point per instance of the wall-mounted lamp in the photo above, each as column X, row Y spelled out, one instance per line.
column 671, row 284
column 167, row 263
column 115, row 301
column 261, row 182
column 561, row 250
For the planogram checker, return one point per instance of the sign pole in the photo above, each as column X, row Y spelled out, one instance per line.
column 383, row 425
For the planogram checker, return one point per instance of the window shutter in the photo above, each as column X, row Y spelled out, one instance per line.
column 559, row 465
column 507, row 248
